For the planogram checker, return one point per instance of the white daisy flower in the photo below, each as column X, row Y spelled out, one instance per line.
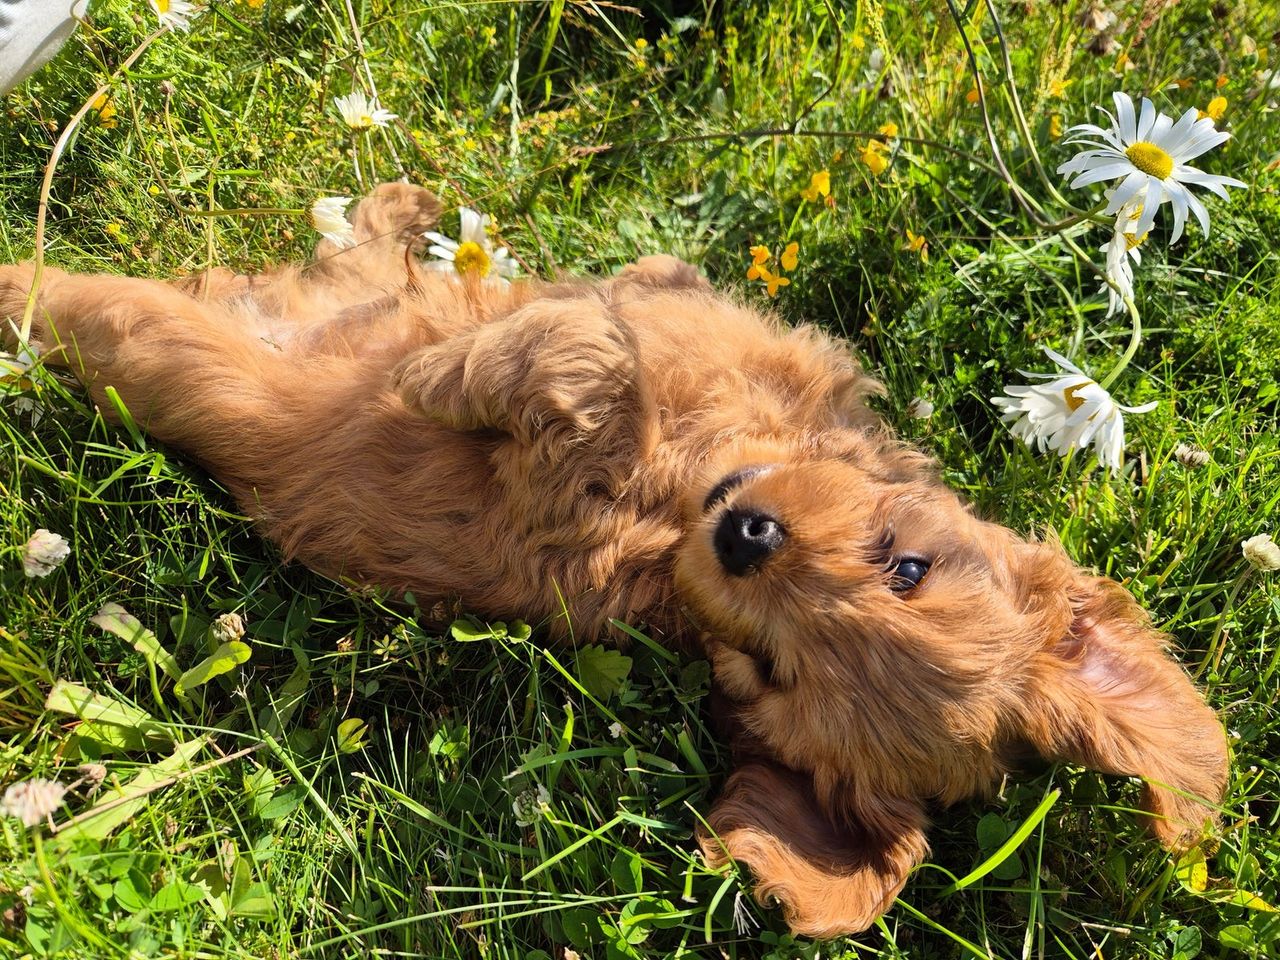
column 1262, row 552
column 329, row 217
column 31, row 801
column 472, row 254
column 1068, row 411
column 1148, row 154
column 361, row 112
column 44, row 553
column 175, row 14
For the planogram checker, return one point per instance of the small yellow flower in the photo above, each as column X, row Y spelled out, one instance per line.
column 889, row 130
column 1055, row 126
column 759, row 257
column 858, row 42
column 1221, row 82
column 790, row 257
column 1215, row 110
column 874, row 161
column 254, row 4
column 972, row 96
column 916, row 243
column 105, row 109
column 819, row 186
column 1058, row 88
column 773, row 281
column 642, row 44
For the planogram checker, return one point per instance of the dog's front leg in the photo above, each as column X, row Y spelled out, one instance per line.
column 561, row 377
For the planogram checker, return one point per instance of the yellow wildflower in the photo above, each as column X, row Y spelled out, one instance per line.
column 1059, row 87
column 642, row 44
column 790, row 257
column 857, row 41
column 819, row 186
column 759, row 257
column 916, row 243
column 1055, row 126
column 772, row 281
column 105, row 109
column 889, row 130
column 972, row 96
column 1214, row 111
column 1221, row 82
column 874, row 161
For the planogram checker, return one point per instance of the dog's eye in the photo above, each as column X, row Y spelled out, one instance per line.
column 907, row 573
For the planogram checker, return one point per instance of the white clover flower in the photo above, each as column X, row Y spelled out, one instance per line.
column 329, row 217
column 31, row 801
column 920, row 409
column 44, row 553
column 1190, row 456
column 472, row 254
column 1148, row 154
column 615, row 730
column 227, row 628
column 175, row 14
column 1262, row 552
column 361, row 112
column 1068, row 411
column 530, row 805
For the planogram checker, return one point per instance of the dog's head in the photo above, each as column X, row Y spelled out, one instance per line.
column 880, row 646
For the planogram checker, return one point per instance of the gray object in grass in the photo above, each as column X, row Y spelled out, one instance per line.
column 31, row 32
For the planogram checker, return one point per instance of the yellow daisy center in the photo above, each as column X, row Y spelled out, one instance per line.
column 471, row 258
column 1150, row 159
column 1132, row 240
column 365, row 120
column 1075, row 402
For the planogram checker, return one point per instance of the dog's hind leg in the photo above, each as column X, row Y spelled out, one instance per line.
column 386, row 223
column 186, row 375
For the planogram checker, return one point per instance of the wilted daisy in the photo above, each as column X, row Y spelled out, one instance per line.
column 31, row 801
column 1122, row 254
column 472, row 254
column 175, row 14
column 360, row 112
column 1067, row 411
column 1148, row 153
column 1262, row 552
column 44, row 553
column 329, row 217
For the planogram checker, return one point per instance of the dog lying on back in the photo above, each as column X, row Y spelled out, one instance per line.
column 658, row 454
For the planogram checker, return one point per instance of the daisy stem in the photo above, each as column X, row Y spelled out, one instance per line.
column 1135, row 339
column 1020, row 118
column 1024, row 199
column 1091, row 214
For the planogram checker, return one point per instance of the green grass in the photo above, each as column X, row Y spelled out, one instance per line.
column 590, row 151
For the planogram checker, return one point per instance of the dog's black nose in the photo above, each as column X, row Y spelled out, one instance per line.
column 743, row 539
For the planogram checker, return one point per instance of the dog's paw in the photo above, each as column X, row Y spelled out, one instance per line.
column 15, row 289
column 401, row 212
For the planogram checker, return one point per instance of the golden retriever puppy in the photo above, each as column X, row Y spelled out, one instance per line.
column 656, row 453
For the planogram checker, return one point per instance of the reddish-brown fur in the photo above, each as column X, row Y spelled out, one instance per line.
column 512, row 447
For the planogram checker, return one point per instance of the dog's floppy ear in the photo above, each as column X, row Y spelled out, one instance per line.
column 830, row 879
column 557, row 375
column 1109, row 697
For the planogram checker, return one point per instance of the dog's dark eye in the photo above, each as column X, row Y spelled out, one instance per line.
column 907, row 573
